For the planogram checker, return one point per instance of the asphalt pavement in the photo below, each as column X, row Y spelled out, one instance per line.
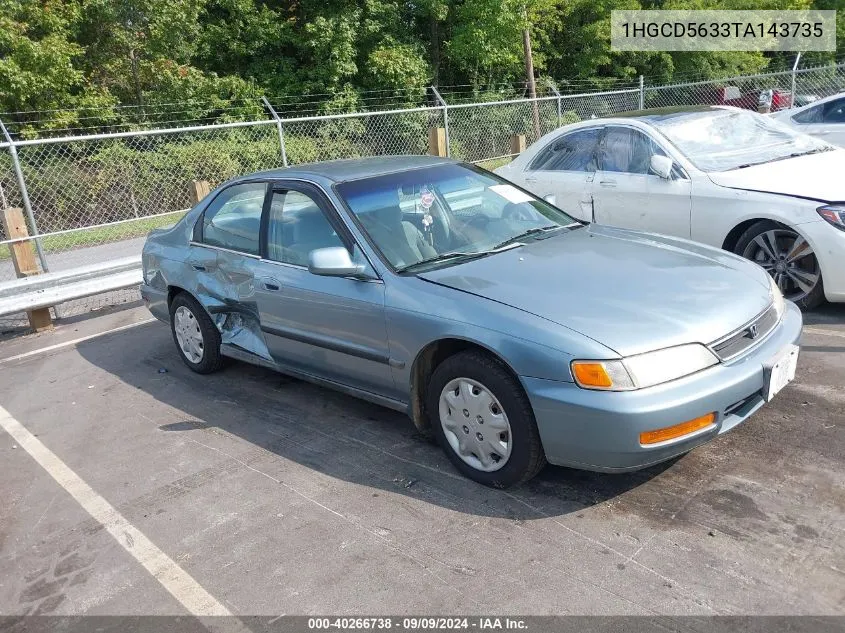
column 131, row 485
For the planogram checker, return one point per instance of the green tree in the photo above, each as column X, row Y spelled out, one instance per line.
column 40, row 70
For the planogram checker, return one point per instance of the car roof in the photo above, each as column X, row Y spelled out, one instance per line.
column 647, row 118
column 662, row 114
column 354, row 168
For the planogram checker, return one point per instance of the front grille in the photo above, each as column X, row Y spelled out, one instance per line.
column 747, row 336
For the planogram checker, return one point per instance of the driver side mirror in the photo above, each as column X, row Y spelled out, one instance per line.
column 662, row 166
column 550, row 199
column 333, row 261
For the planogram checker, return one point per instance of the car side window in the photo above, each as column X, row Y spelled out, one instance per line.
column 296, row 226
column 834, row 111
column 627, row 151
column 575, row 151
column 233, row 219
column 810, row 115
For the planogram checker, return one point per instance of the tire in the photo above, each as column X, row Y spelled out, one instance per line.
column 770, row 245
column 518, row 447
column 199, row 346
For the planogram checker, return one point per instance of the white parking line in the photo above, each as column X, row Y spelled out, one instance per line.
column 821, row 332
column 50, row 348
column 172, row 577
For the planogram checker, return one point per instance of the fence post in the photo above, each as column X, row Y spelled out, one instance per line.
column 517, row 144
column 13, row 152
column 553, row 88
column 794, row 70
column 445, row 107
column 278, row 128
column 24, row 262
column 642, row 92
column 197, row 190
column 437, row 141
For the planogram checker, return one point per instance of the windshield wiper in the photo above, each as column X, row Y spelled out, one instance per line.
column 535, row 231
column 816, row 150
column 511, row 242
column 456, row 255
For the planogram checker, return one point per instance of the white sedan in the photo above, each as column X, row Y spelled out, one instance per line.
column 718, row 175
column 824, row 119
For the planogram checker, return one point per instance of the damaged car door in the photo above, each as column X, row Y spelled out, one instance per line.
column 330, row 326
column 223, row 253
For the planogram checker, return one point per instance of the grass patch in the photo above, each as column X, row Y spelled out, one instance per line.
column 495, row 163
column 99, row 235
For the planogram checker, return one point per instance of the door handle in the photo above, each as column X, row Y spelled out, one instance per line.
column 199, row 267
column 270, row 284
column 531, row 180
column 607, row 183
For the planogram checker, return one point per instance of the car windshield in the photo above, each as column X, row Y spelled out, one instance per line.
column 720, row 140
column 442, row 215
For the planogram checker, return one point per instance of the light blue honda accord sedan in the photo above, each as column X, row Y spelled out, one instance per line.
column 512, row 333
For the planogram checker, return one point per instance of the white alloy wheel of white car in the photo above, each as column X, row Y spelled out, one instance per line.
column 713, row 174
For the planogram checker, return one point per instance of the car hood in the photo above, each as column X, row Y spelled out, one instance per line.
column 632, row 292
column 815, row 176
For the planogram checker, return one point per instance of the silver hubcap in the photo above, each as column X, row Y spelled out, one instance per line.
column 475, row 424
column 188, row 334
column 788, row 258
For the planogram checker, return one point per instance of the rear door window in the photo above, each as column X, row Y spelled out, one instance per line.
column 810, row 115
column 575, row 151
column 834, row 112
column 233, row 219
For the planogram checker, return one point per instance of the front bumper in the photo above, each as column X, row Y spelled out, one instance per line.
column 828, row 244
column 599, row 430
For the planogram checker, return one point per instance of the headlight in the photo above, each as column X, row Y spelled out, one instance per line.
column 642, row 370
column 777, row 297
column 834, row 214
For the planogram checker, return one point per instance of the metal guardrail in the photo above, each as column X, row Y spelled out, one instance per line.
column 51, row 289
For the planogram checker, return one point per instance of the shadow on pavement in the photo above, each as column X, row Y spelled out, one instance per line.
column 334, row 434
column 828, row 313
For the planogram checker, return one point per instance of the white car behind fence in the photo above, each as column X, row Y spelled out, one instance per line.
column 718, row 175
column 824, row 119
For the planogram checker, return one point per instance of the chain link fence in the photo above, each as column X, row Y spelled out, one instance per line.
column 482, row 131
column 791, row 89
column 312, row 139
column 94, row 198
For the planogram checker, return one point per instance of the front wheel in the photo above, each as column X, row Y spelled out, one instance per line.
column 483, row 420
column 788, row 258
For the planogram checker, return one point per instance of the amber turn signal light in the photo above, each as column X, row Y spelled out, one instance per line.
column 591, row 375
column 678, row 430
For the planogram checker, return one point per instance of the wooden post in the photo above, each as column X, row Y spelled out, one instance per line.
column 517, row 143
column 24, row 262
column 198, row 190
column 437, row 141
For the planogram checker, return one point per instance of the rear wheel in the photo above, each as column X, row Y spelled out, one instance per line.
column 196, row 337
column 788, row 258
column 481, row 417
